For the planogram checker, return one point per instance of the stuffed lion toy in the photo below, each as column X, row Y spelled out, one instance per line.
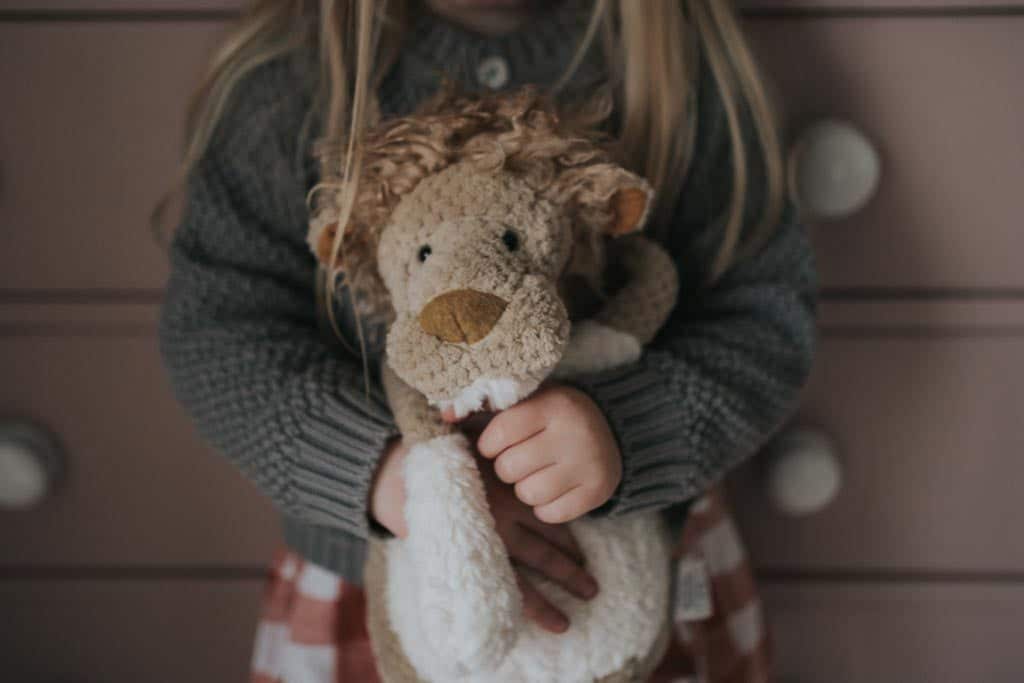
column 501, row 243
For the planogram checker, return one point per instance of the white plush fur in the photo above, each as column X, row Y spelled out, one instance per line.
column 452, row 594
column 594, row 347
column 496, row 393
column 621, row 623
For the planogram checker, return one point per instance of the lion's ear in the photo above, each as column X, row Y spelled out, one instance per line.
column 629, row 206
column 611, row 200
column 321, row 240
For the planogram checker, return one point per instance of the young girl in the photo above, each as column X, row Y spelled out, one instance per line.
column 239, row 326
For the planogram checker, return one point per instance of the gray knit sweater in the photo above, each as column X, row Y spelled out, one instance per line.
column 239, row 332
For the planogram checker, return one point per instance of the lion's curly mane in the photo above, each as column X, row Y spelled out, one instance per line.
column 565, row 158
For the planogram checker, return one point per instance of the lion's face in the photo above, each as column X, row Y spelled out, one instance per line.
column 471, row 261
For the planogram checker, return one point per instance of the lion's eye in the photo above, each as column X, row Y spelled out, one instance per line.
column 423, row 253
column 511, row 240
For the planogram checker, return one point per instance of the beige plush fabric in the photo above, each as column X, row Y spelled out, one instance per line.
column 482, row 262
column 643, row 303
column 483, row 235
column 480, row 212
column 417, row 420
column 392, row 664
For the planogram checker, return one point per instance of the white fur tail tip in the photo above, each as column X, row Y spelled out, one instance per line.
column 469, row 607
column 594, row 347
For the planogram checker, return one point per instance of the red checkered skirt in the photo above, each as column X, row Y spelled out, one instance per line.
column 313, row 628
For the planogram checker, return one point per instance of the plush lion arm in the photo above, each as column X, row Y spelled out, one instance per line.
column 645, row 302
column 416, row 419
column 629, row 319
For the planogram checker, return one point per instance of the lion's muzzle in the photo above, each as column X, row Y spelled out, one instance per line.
column 462, row 315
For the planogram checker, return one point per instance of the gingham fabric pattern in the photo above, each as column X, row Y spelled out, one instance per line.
column 313, row 628
column 732, row 645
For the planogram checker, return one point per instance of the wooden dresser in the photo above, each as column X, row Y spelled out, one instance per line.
column 145, row 562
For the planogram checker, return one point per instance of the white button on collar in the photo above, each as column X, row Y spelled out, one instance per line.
column 493, row 72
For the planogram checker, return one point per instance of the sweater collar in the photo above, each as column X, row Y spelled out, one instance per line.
column 536, row 53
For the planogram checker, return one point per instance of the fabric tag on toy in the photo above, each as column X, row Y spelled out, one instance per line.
column 693, row 591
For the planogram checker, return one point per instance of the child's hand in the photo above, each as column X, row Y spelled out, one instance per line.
column 548, row 549
column 558, row 450
column 387, row 492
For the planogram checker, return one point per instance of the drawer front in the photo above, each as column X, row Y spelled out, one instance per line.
column 927, row 633
column 880, row 5
column 89, row 140
column 898, row 79
column 134, row 630
column 125, row 630
column 222, row 5
column 141, row 6
column 942, row 99
column 927, row 422
column 140, row 487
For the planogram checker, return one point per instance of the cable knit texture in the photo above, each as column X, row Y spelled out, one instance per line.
column 268, row 388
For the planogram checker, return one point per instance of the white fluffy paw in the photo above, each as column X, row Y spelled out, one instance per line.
column 594, row 347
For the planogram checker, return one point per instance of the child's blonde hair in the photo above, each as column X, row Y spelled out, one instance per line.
column 652, row 47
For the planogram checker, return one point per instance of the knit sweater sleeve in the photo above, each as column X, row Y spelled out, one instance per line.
column 728, row 366
column 238, row 330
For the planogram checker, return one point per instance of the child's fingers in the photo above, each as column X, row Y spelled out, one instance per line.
column 510, row 427
column 521, row 461
column 537, row 608
column 539, row 554
column 567, row 507
column 546, row 485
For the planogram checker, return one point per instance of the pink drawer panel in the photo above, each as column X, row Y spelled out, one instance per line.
column 942, row 99
column 868, row 70
column 89, row 140
column 141, row 489
column 188, row 5
column 131, row 630
column 939, row 316
column 121, row 5
column 927, row 419
column 959, row 5
column 128, row 630
column 922, row 633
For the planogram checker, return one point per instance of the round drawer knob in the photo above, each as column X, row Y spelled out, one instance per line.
column 29, row 464
column 803, row 471
column 833, row 170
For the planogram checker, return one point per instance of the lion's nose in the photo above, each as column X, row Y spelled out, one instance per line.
column 462, row 315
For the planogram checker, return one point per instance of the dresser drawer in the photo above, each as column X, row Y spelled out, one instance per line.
column 943, row 217
column 942, row 99
column 121, row 6
column 140, row 488
column 127, row 630
column 155, row 631
column 926, row 413
column 89, row 140
column 880, row 5
column 939, row 632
